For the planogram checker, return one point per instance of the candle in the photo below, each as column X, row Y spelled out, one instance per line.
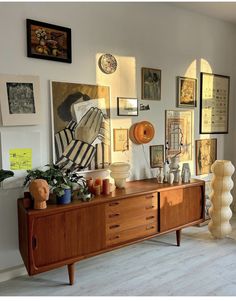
column 106, row 186
column 89, row 183
column 97, row 189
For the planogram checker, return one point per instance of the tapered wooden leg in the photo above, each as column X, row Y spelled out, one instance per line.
column 178, row 237
column 71, row 272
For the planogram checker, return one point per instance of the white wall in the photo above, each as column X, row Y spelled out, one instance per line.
column 155, row 35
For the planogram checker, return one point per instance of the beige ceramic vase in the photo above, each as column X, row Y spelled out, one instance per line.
column 221, row 198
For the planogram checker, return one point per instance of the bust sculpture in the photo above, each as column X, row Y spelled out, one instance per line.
column 39, row 190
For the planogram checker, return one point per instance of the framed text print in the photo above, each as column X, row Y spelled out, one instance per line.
column 214, row 103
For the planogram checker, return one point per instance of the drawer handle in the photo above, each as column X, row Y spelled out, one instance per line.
column 150, row 217
column 150, row 207
column 150, row 227
column 149, row 196
column 115, row 237
column 114, row 215
column 114, row 203
column 114, row 226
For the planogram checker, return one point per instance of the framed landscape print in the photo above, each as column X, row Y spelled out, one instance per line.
column 47, row 41
column 81, row 121
column 151, row 84
column 214, row 103
column 178, row 132
column 156, row 155
column 206, row 154
column 20, row 100
column 127, row 106
column 121, row 139
column 186, row 92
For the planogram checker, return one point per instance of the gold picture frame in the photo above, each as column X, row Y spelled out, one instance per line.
column 121, row 140
column 206, row 154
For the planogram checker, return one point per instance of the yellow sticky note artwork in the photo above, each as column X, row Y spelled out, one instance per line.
column 20, row 158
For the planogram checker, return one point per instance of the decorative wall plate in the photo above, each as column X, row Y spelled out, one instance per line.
column 107, row 63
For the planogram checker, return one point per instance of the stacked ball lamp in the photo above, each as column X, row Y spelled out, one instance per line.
column 221, row 198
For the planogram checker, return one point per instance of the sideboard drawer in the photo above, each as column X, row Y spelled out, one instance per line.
column 133, row 205
column 130, row 234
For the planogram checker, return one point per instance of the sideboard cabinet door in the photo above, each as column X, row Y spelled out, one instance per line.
column 70, row 234
column 180, row 207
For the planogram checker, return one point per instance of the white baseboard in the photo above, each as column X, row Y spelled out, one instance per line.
column 13, row 272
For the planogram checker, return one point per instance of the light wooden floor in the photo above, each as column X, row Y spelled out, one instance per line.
column 201, row 266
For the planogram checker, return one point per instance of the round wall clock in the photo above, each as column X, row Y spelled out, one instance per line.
column 107, row 63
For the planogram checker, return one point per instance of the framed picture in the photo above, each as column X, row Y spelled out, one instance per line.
column 151, row 84
column 127, row 106
column 121, row 140
column 214, row 103
column 47, row 41
column 156, row 155
column 20, row 100
column 186, row 92
column 178, row 132
column 206, row 154
column 81, row 125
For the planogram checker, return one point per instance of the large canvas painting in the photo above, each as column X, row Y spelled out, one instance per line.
column 81, row 125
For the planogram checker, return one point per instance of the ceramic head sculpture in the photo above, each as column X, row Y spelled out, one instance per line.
column 39, row 190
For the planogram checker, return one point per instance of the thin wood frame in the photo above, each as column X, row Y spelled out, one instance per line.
column 186, row 92
column 151, row 83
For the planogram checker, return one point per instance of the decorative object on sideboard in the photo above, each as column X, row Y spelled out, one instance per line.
column 186, row 173
column 151, row 84
column 73, row 106
column 156, row 153
column 20, row 100
column 160, row 175
column 206, row 154
column 174, row 168
column 166, row 170
column 107, row 63
column 120, row 172
column 186, row 92
column 171, row 177
column 221, row 198
column 4, row 174
column 141, row 132
column 214, row 103
column 127, row 106
column 48, row 41
column 39, row 190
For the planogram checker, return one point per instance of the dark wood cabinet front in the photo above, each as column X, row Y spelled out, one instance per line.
column 180, row 206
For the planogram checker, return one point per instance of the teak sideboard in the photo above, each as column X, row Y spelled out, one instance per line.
column 64, row 234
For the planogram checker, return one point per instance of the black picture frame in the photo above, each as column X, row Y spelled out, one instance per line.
column 127, row 106
column 48, row 41
column 214, row 103
column 156, row 151
column 186, row 92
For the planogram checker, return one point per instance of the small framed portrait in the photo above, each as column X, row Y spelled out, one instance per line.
column 206, row 154
column 47, row 41
column 121, row 140
column 186, row 92
column 156, row 155
column 151, row 84
column 20, row 100
column 127, row 106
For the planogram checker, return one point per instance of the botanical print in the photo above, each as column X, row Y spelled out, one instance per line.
column 206, row 152
column 151, row 84
column 156, row 155
column 20, row 98
column 121, row 141
column 179, row 134
column 81, row 121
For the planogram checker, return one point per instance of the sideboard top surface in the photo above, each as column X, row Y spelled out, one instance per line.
column 132, row 189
